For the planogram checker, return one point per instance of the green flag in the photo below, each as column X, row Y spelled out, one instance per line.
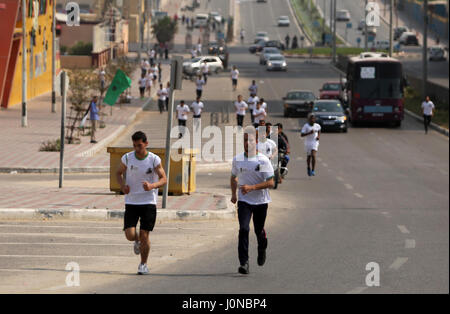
column 120, row 83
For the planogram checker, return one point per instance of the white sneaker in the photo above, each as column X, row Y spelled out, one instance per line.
column 143, row 269
column 137, row 248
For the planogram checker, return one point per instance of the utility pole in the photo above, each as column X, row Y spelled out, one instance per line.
column 425, row 50
column 139, row 29
column 334, row 31
column 391, row 31
column 366, row 43
column 331, row 17
column 148, row 15
column 324, row 15
column 24, row 64
column 54, row 57
column 64, row 79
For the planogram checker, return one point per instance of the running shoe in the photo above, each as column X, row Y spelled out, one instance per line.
column 309, row 172
column 143, row 269
column 261, row 257
column 244, row 269
column 313, row 173
column 137, row 247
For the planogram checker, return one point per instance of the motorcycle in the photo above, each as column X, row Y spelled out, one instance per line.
column 280, row 171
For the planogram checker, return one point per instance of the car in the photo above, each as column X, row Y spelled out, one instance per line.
column 332, row 90
column 437, row 53
column 330, row 115
column 276, row 63
column 275, row 43
column 382, row 45
column 215, row 17
column 408, row 39
column 398, row 31
column 257, row 47
column 261, row 35
column 343, row 16
column 261, row 1
column 201, row 20
column 283, row 21
column 298, row 102
column 371, row 30
column 216, row 48
column 192, row 66
column 266, row 53
column 361, row 24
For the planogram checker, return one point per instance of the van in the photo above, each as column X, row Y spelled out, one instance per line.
column 201, row 20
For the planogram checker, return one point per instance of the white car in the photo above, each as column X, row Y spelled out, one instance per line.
column 284, row 21
column 343, row 15
column 382, row 45
column 261, row 35
column 266, row 53
column 194, row 65
column 437, row 53
column 276, row 63
column 201, row 20
column 215, row 17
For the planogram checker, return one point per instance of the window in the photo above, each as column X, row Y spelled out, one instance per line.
column 42, row 7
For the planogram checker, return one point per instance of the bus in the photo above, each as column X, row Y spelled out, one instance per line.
column 375, row 85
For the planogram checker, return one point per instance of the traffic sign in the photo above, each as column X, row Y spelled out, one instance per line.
column 349, row 25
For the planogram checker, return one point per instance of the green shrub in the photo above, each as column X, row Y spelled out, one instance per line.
column 81, row 49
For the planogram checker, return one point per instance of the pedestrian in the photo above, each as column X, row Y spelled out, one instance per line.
column 241, row 107
column 283, row 145
column 159, row 72
column 199, row 47
column 252, row 101
column 94, row 117
column 166, row 51
column 200, row 83
column 205, row 71
column 162, row 94
column 295, row 42
column 253, row 174
column 287, row 40
column 142, row 85
column 193, row 53
column 168, row 95
column 197, row 108
column 259, row 114
column 183, row 19
column 311, row 131
column 182, row 113
column 144, row 176
column 155, row 71
column 149, row 83
column 264, row 105
column 152, row 55
column 234, row 77
column 253, row 89
column 266, row 145
column 242, row 35
column 102, row 78
column 428, row 112
column 143, row 67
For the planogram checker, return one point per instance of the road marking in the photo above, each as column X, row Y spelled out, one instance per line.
column 319, row 159
column 357, row 290
column 403, row 229
column 359, row 195
column 299, row 158
column 339, row 179
column 410, row 244
column 398, row 263
column 348, row 186
column 325, row 165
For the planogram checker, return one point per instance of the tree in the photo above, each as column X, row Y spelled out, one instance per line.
column 165, row 29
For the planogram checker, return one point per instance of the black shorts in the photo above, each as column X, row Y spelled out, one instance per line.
column 147, row 214
column 234, row 81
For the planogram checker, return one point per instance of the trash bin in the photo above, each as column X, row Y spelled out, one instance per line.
column 182, row 178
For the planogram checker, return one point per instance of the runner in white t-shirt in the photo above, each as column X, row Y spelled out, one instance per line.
column 252, row 101
column 428, row 112
column 253, row 89
column 253, row 174
column 144, row 176
column 162, row 95
column 142, row 85
column 241, row 107
column 205, row 71
column 197, row 108
column 266, row 146
column 199, row 85
column 182, row 114
column 234, row 77
column 149, row 83
column 311, row 131
column 259, row 113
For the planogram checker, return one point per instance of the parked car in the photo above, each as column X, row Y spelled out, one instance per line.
column 298, row 102
column 382, row 45
column 257, row 47
column 201, row 20
column 330, row 115
column 192, row 66
column 283, row 21
column 343, row 16
column 409, row 39
column 276, row 63
column 261, row 35
column 215, row 17
column 437, row 53
column 266, row 53
column 332, row 90
column 361, row 24
column 398, row 31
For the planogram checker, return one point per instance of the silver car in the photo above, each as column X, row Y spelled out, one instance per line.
column 276, row 63
column 266, row 53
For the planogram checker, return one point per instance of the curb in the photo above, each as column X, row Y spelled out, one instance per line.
column 299, row 22
column 433, row 126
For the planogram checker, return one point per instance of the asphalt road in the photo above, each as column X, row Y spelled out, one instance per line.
column 380, row 195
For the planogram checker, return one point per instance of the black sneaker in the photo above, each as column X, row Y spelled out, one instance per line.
column 261, row 257
column 244, row 269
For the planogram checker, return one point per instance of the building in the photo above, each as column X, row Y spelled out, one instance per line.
column 38, row 23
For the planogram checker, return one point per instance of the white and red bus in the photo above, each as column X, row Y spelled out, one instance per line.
column 375, row 85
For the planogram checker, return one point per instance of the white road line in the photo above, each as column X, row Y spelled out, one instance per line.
column 410, row 244
column 325, row 165
column 403, row 229
column 357, row 290
column 359, row 195
column 398, row 263
column 348, row 186
column 319, row 159
column 339, row 179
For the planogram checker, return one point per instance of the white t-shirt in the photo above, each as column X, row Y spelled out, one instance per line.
column 264, row 106
column 197, row 107
column 427, row 108
column 149, row 82
column 200, row 84
column 312, row 138
column 137, row 172
column 147, row 64
column 162, row 94
column 205, row 68
column 142, row 82
column 256, row 112
column 267, row 148
column 152, row 54
column 251, row 171
column 182, row 112
column 252, row 102
column 235, row 74
column 241, row 107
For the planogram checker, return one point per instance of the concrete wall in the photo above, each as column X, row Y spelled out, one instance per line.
column 76, row 62
column 71, row 35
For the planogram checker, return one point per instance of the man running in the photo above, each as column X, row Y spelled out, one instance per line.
column 253, row 89
column 311, row 131
column 252, row 101
column 205, row 71
column 162, row 95
column 283, row 144
column 241, row 107
column 144, row 176
column 199, row 83
column 234, row 77
column 182, row 112
column 265, row 145
column 259, row 114
column 253, row 173
column 428, row 112
column 197, row 108
column 142, row 85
